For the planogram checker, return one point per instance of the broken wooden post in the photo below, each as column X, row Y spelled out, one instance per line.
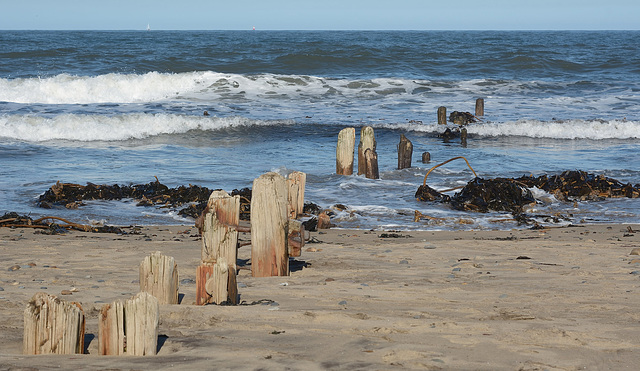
column 442, row 115
column 426, row 157
column 405, row 152
column 296, row 182
column 480, row 107
column 131, row 327
column 367, row 141
column 344, row 151
column 371, row 164
column 295, row 238
column 269, row 226
column 219, row 249
column 203, row 272
column 463, row 136
column 53, row 326
column 159, row 277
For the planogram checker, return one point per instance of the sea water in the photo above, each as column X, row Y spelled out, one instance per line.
column 124, row 107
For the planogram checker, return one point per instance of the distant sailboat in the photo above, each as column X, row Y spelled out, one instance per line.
column 148, row 27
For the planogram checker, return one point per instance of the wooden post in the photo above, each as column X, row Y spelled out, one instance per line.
column 442, row 115
column 463, row 136
column 344, row 151
column 219, row 248
column 159, row 277
column 203, row 272
column 130, row 327
column 480, row 107
column 53, row 326
column 405, row 152
column 426, row 157
column 296, row 238
column 296, row 182
column 367, row 141
column 111, row 336
column 269, row 226
column 371, row 161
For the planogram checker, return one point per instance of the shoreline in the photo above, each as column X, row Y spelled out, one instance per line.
column 556, row 298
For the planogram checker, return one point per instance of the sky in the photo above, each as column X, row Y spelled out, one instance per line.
column 320, row 15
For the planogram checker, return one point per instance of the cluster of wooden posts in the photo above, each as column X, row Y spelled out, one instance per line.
column 367, row 155
column 130, row 327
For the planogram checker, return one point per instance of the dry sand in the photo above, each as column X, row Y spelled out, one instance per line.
column 556, row 299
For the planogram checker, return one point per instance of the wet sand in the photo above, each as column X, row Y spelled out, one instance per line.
column 554, row 299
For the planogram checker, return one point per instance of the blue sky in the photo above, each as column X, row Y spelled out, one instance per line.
column 320, row 15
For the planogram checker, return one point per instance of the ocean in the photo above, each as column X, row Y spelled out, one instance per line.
column 124, row 107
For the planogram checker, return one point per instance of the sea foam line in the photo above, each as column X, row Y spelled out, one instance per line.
column 77, row 127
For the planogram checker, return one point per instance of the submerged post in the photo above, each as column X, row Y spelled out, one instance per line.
column 344, row 151
column 426, row 157
column 480, row 107
column 442, row 115
column 367, row 141
column 405, row 152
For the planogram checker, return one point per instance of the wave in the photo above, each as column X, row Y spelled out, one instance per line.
column 568, row 129
column 86, row 128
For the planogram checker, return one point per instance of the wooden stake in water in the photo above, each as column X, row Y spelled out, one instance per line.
column 479, row 107
column 367, row 141
column 405, row 152
column 371, row 164
column 442, row 115
column 426, row 157
column 344, row 151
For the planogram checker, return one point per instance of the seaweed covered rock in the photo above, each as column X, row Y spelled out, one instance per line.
column 426, row 193
column 576, row 185
column 461, row 118
column 499, row 194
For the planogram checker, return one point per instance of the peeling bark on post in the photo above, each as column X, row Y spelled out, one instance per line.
column 53, row 326
column 367, row 141
column 405, row 152
column 344, row 151
column 269, row 226
column 159, row 277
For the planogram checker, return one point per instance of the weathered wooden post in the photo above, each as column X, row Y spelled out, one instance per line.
column 53, row 326
column 159, row 277
column 129, row 327
column 367, row 141
column 295, row 238
column 269, row 226
column 219, row 250
column 442, row 115
column 480, row 107
column 296, row 182
column 426, row 157
column 344, row 151
column 463, row 136
column 371, row 164
column 405, row 152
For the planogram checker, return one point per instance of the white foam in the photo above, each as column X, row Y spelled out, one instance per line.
column 113, row 128
column 570, row 129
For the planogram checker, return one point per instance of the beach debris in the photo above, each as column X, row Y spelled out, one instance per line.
column 13, row 220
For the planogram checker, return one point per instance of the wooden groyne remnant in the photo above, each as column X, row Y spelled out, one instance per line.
column 344, row 151
column 405, row 151
column 129, row 327
column 159, row 277
column 53, row 326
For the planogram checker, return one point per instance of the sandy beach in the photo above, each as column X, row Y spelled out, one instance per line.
column 552, row 299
